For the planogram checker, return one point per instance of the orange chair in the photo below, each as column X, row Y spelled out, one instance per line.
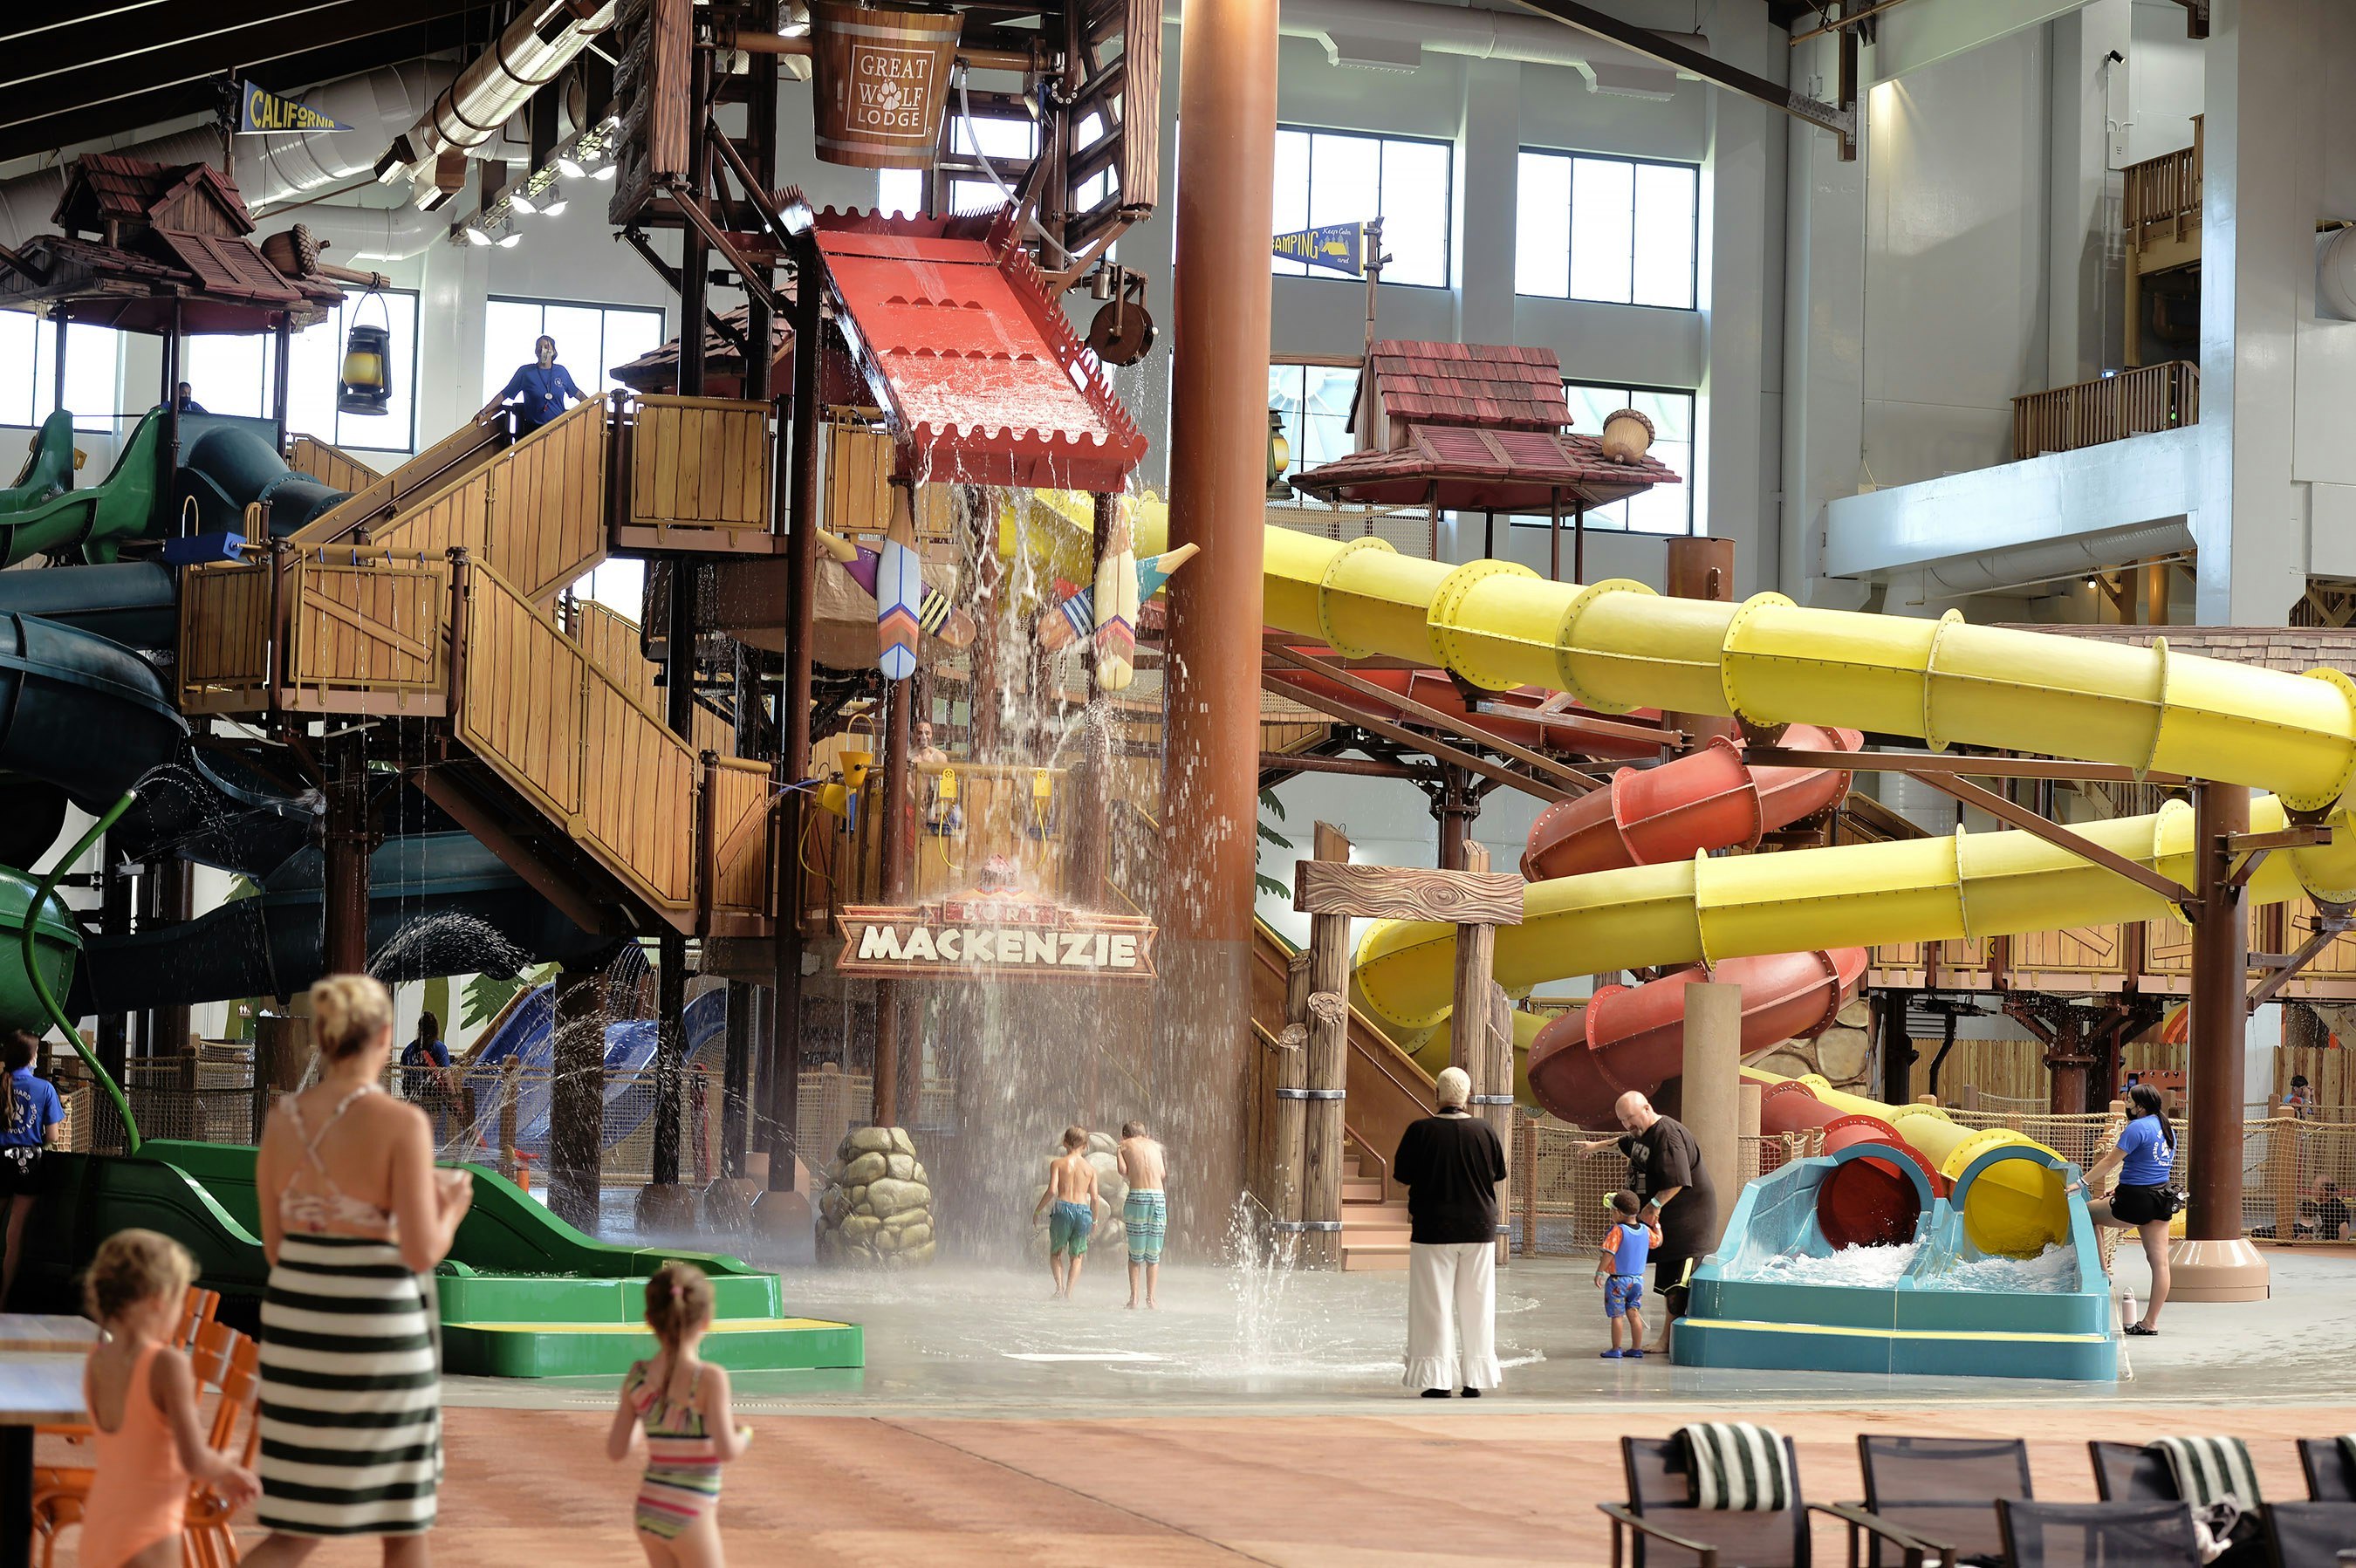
column 197, row 1314
column 222, row 1359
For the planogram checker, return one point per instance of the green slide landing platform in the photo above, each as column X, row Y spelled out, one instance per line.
column 522, row 1293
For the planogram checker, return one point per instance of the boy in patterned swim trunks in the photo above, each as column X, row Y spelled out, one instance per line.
column 1072, row 1189
column 1146, row 1214
column 1621, row 1271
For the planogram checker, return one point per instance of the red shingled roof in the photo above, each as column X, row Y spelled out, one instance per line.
column 229, row 267
column 1485, row 470
column 129, row 189
column 985, row 380
column 1497, row 386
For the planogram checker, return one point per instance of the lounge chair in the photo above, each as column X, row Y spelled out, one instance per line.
column 2308, row 1534
column 1662, row 1525
column 2097, row 1535
column 2331, row 1477
column 1941, row 1491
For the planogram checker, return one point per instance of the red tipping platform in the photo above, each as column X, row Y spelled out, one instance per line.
column 979, row 374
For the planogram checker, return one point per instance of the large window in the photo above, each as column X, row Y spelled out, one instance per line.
column 1007, row 143
column 233, row 374
column 1314, row 400
column 590, row 340
column 1341, row 177
column 28, row 371
column 1664, row 508
column 1621, row 230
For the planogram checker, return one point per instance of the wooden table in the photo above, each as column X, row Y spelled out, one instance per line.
column 34, row 1389
column 44, row 1334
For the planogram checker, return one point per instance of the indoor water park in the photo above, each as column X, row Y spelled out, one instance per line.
column 769, row 787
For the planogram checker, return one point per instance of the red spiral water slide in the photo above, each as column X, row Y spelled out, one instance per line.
column 1632, row 1037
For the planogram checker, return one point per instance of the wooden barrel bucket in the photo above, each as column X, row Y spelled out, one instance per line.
column 882, row 81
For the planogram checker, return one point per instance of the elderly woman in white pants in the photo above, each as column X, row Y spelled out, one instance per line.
column 1452, row 1164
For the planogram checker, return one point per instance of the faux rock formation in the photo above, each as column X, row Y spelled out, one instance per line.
column 1840, row 1054
column 1110, row 1235
column 876, row 1207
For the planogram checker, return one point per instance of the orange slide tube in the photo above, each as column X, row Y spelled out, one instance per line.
column 1634, row 1037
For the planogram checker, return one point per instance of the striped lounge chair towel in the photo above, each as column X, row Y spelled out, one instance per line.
column 2212, row 1470
column 1739, row 1466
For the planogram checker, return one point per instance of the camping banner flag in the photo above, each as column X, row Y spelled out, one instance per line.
column 263, row 113
column 1339, row 247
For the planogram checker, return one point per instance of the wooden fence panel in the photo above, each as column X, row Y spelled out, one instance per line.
column 520, row 709
column 700, row 462
column 330, row 465
column 737, row 877
column 2132, row 402
column 639, row 790
column 224, row 664
column 547, row 503
column 365, row 635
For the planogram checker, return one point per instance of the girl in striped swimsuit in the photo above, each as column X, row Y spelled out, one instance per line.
column 682, row 1403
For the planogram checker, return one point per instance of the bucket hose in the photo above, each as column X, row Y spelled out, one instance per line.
column 41, row 987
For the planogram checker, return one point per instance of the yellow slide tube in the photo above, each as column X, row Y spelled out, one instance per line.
column 1712, row 909
column 1616, row 645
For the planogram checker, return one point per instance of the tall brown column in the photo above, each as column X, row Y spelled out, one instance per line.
column 798, row 490
column 1218, row 461
column 897, row 844
column 1701, row 569
column 2213, row 1263
column 347, row 853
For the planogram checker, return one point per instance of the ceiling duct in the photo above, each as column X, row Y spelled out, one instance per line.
column 532, row 53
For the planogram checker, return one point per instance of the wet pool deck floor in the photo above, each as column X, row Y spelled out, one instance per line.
column 992, row 1427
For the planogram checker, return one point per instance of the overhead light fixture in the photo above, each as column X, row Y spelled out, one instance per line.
column 554, row 209
column 607, row 171
column 569, row 167
column 508, row 241
column 474, row 236
column 521, row 203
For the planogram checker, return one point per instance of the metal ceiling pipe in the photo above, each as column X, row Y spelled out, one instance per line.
column 367, row 236
column 2039, row 564
column 532, row 53
column 1393, row 35
column 268, row 169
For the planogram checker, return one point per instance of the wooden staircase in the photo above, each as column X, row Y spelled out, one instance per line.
column 427, row 598
column 1373, row 1223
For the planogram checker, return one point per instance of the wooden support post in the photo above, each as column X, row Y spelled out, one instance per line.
column 896, row 830
column 1526, row 1166
column 1709, row 1101
column 670, row 1055
column 347, row 853
column 576, row 1113
column 1746, row 1123
column 735, row 1083
column 1327, row 1070
column 1495, row 1087
column 2214, row 1262
column 1291, row 1104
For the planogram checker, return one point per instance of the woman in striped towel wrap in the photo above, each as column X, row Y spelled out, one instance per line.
column 682, row 1401
column 353, row 1219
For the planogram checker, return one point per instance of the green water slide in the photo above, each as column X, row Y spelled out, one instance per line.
column 48, row 468
column 522, row 1293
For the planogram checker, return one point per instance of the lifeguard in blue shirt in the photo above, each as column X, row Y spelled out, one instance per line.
column 541, row 389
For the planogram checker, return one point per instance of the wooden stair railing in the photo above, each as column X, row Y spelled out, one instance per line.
column 329, row 465
column 382, row 496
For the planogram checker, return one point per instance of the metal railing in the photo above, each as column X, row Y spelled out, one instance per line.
column 2132, row 402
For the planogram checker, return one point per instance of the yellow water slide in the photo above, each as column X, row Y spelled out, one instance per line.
column 1617, row 645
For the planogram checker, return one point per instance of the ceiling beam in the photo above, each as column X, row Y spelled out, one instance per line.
column 127, row 68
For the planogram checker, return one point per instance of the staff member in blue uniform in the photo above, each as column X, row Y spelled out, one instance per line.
column 541, row 386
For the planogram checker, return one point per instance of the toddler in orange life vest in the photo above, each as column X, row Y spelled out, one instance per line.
column 1620, row 1270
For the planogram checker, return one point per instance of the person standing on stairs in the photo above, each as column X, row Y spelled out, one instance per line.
column 1451, row 1163
column 541, row 389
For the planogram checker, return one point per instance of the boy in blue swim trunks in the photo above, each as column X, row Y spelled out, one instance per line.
column 1621, row 1271
column 1146, row 1213
column 1072, row 1189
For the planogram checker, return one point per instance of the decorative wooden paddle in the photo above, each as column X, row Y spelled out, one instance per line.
column 1075, row 615
column 1116, row 607
column 938, row 615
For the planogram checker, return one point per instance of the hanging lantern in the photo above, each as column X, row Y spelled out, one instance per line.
column 367, row 383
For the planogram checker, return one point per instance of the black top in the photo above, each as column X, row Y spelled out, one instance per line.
column 1663, row 1155
column 1452, row 1166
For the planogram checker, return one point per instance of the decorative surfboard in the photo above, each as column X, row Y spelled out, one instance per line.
column 1075, row 615
column 938, row 615
column 1115, row 608
column 899, row 590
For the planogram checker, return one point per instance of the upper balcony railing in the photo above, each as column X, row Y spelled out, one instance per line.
column 2162, row 201
column 2133, row 402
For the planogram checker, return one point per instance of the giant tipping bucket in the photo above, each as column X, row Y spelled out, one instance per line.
column 880, row 81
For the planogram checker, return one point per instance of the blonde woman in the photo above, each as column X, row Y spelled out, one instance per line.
column 353, row 1221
